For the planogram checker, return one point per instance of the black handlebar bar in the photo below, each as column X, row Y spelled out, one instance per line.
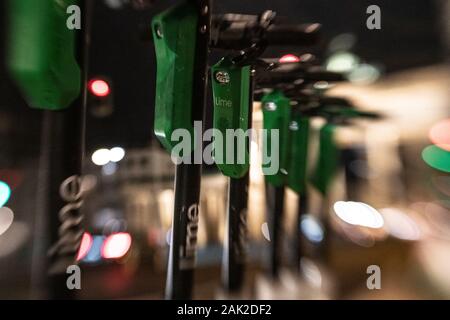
column 236, row 31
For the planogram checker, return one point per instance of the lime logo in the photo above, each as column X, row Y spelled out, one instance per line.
column 70, row 231
column 188, row 250
column 223, row 102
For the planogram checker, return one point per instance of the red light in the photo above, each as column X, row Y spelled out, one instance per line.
column 116, row 245
column 99, row 88
column 440, row 134
column 289, row 58
column 85, row 246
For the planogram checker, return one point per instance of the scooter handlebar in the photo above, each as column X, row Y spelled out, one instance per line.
column 237, row 34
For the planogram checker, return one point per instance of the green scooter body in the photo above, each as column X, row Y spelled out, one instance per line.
column 276, row 114
column 175, row 36
column 328, row 159
column 41, row 53
column 299, row 137
column 231, row 93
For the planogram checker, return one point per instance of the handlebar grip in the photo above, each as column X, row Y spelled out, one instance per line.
column 293, row 34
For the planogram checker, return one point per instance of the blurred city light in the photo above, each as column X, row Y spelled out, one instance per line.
column 311, row 272
column 437, row 158
column 165, row 205
column 342, row 62
column 400, row 225
column 99, row 88
column 265, row 231
column 359, row 214
column 109, row 169
column 322, row 85
column 85, row 246
column 116, row 154
column 289, row 58
column 100, row 157
column 104, row 156
column 116, row 246
column 312, row 229
column 5, row 193
column 6, row 219
column 364, row 74
column 94, row 255
column 17, row 237
column 169, row 236
column 439, row 134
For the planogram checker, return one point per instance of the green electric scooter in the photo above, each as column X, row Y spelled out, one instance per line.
column 182, row 36
column 233, row 82
column 47, row 60
column 293, row 126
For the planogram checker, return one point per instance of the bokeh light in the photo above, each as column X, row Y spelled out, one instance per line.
column 359, row 214
column 439, row 134
column 5, row 193
column 6, row 219
column 116, row 246
column 437, row 158
column 85, row 246
column 99, row 88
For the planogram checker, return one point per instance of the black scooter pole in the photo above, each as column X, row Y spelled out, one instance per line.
column 251, row 34
column 302, row 210
column 275, row 214
column 63, row 142
column 180, row 270
column 235, row 242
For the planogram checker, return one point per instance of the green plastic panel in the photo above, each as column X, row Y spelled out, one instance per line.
column 41, row 52
column 276, row 113
column 328, row 159
column 299, row 137
column 175, row 35
column 231, row 93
